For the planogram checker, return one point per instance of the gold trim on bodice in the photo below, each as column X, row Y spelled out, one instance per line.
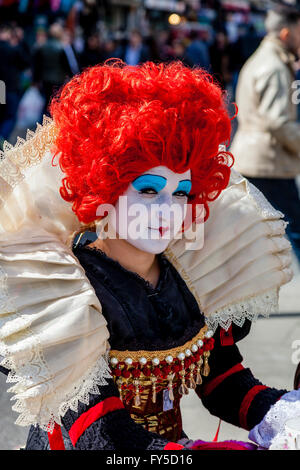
column 151, row 383
column 161, row 355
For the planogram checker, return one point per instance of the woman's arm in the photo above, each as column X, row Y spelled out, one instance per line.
column 230, row 391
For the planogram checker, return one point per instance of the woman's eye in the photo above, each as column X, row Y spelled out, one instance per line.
column 148, row 191
column 180, row 194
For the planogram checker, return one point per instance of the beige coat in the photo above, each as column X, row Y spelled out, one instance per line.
column 267, row 142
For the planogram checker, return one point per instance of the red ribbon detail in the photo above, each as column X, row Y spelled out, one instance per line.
column 91, row 415
column 210, row 386
column 56, row 440
column 215, row 439
column 226, row 337
column 248, row 398
column 173, row 446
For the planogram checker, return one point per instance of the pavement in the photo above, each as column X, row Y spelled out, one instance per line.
column 269, row 350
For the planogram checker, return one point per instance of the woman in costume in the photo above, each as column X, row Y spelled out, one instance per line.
column 103, row 335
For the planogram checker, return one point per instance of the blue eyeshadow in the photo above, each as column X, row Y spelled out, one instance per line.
column 149, row 181
column 185, row 186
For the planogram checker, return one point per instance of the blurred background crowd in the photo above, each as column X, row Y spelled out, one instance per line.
column 45, row 42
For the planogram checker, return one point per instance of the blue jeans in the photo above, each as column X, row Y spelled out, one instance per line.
column 284, row 196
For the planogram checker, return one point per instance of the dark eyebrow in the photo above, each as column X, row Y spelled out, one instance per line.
column 150, row 174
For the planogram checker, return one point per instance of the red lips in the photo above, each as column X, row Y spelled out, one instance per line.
column 162, row 230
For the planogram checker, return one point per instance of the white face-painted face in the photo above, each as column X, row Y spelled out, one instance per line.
column 150, row 213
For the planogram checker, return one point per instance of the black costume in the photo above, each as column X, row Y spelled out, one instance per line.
column 143, row 318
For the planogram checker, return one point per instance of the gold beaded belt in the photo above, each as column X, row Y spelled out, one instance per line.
column 152, row 416
column 133, row 371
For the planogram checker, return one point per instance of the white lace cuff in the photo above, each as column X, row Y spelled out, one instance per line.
column 271, row 428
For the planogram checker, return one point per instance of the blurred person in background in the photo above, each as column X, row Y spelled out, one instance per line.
column 135, row 52
column 241, row 49
column 40, row 38
column 197, row 51
column 247, row 42
column 178, row 52
column 161, row 44
column 51, row 67
column 92, row 53
column 88, row 15
column 267, row 142
column 220, row 59
column 110, row 49
column 70, row 52
column 15, row 58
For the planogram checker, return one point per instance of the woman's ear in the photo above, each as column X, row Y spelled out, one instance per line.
column 284, row 34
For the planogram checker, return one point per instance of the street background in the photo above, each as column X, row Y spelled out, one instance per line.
column 43, row 43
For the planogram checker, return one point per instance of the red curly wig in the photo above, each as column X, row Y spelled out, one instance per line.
column 114, row 122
